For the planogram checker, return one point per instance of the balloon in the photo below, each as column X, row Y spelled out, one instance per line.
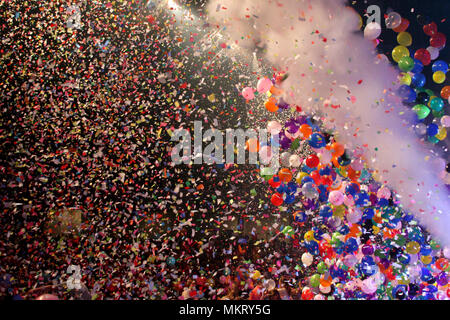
column 338, row 149
column 424, row 56
column 384, row 193
column 274, row 127
column 314, row 281
column 407, row 93
column 277, row 199
column 248, row 94
column 405, row 78
column 271, row 104
column 393, row 20
column 285, row 175
column 422, row 111
column 270, row 284
column 372, row 31
column 404, row 39
column 336, row 198
column 399, row 52
column 438, row 40
column 307, row 259
column 252, row 145
column 434, row 53
column 317, row 141
column 294, row 161
column 264, row 85
column 406, row 63
column 309, row 190
column 445, row 92
column 437, row 104
column 430, row 29
column 312, row 161
column 439, row 77
column 306, row 131
column 418, row 66
column 412, row 247
column 403, row 26
column 432, row 130
column 445, row 121
column 418, row 80
column 440, row 65
column 442, row 134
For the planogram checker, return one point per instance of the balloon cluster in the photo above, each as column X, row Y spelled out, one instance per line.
column 357, row 242
column 413, row 81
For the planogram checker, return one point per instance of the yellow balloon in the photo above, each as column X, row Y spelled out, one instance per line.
column 339, row 211
column 426, row 259
column 406, row 79
column 256, row 275
column 404, row 39
column 442, row 134
column 399, row 52
column 309, row 235
column 412, row 247
column 300, row 177
column 360, row 23
column 439, row 77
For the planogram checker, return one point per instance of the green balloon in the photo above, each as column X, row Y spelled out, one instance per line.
column 315, row 281
column 322, row 267
column 406, row 63
column 422, row 111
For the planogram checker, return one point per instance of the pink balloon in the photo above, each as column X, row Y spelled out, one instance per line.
column 445, row 120
column 264, row 85
column 248, row 94
column 265, row 154
column 336, row 198
column 384, row 193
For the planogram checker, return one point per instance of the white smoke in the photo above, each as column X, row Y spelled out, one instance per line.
column 335, row 73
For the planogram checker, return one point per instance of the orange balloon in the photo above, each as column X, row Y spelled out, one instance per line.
column 326, row 280
column 305, row 130
column 285, row 175
column 252, row 145
column 403, row 25
column 271, row 104
column 338, row 149
column 352, row 174
column 445, row 92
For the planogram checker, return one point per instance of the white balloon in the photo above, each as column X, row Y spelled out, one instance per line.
column 372, row 31
column 295, row 161
column 434, row 52
column 274, row 127
column 393, row 20
column 307, row 259
column 445, row 120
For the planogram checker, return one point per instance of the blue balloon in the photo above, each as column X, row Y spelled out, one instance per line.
column 418, row 80
column 325, row 212
column 418, row 66
column 317, row 141
column 439, row 65
column 407, row 93
column 432, row 130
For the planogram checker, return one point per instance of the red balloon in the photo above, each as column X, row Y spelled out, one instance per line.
column 438, row 40
column 307, row 294
column 277, row 199
column 273, row 183
column 316, row 177
column 312, row 161
column 423, row 55
column 430, row 29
